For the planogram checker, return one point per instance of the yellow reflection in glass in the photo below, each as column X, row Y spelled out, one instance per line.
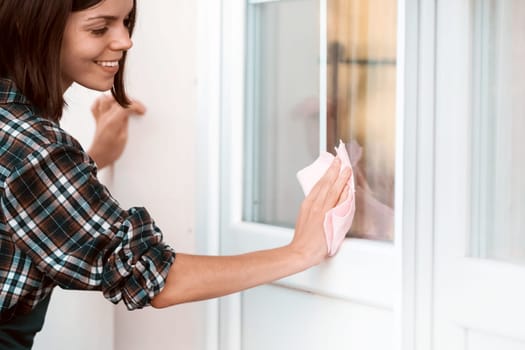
column 361, row 105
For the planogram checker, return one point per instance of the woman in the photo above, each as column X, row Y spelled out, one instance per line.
column 58, row 224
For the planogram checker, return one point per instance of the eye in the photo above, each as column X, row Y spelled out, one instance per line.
column 100, row 31
column 127, row 22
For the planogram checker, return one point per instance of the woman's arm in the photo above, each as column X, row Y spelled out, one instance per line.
column 194, row 277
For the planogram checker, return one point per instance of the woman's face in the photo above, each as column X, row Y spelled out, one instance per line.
column 94, row 42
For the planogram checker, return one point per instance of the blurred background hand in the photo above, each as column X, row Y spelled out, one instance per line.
column 373, row 218
column 111, row 131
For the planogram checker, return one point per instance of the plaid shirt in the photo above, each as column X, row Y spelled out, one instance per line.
column 60, row 226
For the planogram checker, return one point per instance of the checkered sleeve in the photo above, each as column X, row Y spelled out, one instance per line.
column 77, row 234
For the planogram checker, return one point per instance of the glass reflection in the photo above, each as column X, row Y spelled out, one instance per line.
column 282, row 109
column 361, row 105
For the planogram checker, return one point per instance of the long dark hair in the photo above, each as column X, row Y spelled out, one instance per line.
column 31, row 33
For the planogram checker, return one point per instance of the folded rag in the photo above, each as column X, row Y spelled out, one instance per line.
column 337, row 220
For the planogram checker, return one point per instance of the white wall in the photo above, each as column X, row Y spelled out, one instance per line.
column 157, row 171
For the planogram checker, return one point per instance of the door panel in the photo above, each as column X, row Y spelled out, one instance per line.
column 482, row 341
column 472, row 289
column 282, row 319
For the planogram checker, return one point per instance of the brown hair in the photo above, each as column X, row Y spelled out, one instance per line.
column 31, row 33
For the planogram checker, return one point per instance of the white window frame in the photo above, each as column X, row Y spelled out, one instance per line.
column 402, row 271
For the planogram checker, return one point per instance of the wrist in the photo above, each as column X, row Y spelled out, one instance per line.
column 97, row 157
column 304, row 256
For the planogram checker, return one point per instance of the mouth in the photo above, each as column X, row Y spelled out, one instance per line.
column 109, row 64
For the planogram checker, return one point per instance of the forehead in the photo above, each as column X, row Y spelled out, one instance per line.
column 106, row 8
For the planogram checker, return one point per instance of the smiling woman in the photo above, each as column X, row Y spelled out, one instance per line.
column 59, row 226
column 33, row 33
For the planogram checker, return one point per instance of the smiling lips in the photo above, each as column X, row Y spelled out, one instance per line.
column 107, row 63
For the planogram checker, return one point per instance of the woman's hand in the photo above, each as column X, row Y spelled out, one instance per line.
column 332, row 189
column 111, row 133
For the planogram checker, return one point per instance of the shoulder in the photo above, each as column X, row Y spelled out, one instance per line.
column 25, row 130
column 25, row 136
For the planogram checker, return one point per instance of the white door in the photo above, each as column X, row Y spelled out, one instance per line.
column 479, row 188
column 297, row 75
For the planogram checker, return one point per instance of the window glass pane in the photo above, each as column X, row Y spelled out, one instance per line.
column 498, row 126
column 282, row 105
column 282, row 109
column 361, row 79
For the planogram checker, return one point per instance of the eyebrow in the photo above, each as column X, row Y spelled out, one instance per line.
column 108, row 18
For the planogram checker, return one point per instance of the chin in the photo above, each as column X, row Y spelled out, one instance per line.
column 102, row 87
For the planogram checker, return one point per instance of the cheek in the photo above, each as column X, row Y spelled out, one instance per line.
column 82, row 49
column 74, row 59
column 70, row 66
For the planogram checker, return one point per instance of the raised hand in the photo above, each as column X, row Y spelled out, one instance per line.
column 111, row 133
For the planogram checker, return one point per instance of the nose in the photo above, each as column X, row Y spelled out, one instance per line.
column 121, row 41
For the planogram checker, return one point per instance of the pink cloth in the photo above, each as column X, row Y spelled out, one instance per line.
column 337, row 220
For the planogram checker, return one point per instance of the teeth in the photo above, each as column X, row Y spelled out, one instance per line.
column 108, row 63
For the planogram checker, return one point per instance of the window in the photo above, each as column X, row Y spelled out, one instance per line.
column 283, row 120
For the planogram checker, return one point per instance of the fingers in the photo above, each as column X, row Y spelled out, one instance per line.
column 119, row 114
column 327, row 179
column 105, row 103
column 344, row 195
column 101, row 105
column 331, row 190
column 122, row 114
column 137, row 107
column 333, row 194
